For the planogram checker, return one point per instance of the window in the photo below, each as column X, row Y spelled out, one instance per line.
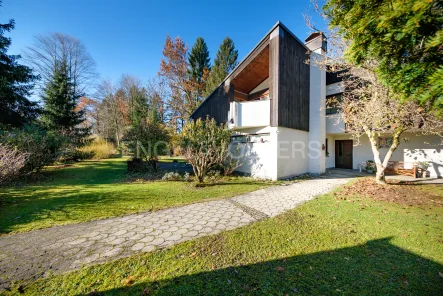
column 384, row 142
column 332, row 102
column 251, row 138
column 239, row 139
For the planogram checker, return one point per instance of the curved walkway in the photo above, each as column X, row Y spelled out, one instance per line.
column 27, row 256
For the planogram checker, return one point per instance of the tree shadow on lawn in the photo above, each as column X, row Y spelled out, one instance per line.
column 21, row 209
column 74, row 204
column 374, row 268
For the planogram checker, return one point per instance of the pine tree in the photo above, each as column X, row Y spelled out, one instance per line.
column 199, row 67
column 16, row 83
column 199, row 60
column 224, row 63
column 60, row 101
column 139, row 108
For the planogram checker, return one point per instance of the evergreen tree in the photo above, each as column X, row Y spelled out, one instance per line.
column 199, row 60
column 16, row 83
column 139, row 109
column 404, row 38
column 60, row 101
column 199, row 67
column 224, row 63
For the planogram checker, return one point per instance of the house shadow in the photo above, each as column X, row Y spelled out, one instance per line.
column 429, row 155
column 377, row 267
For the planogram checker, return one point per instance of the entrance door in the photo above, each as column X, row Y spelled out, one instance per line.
column 343, row 154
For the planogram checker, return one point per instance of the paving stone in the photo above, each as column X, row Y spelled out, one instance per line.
column 138, row 246
column 60, row 249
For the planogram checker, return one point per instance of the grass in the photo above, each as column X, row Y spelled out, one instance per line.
column 329, row 246
column 178, row 159
column 98, row 189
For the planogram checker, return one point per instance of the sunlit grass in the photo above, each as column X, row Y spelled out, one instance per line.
column 328, row 246
column 98, row 189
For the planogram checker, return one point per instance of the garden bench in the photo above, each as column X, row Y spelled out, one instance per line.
column 405, row 168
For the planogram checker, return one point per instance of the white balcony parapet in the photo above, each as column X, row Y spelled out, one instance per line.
column 249, row 114
column 334, row 124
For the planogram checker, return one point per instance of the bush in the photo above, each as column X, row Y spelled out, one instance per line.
column 148, row 141
column 172, row 176
column 98, row 148
column 187, row 177
column 137, row 165
column 43, row 147
column 11, row 162
column 205, row 145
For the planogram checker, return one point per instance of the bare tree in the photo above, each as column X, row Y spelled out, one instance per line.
column 367, row 107
column 157, row 93
column 50, row 50
column 112, row 116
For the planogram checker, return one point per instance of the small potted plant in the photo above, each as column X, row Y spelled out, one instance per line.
column 370, row 166
column 423, row 165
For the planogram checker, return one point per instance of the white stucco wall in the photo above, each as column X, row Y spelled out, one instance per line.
column 254, row 113
column 317, row 117
column 330, row 159
column 259, row 159
column 334, row 124
column 412, row 148
column 292, row 152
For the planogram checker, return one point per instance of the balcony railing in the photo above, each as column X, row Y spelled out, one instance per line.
column 250, row 114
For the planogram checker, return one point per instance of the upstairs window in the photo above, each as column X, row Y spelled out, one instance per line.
column 332, row 103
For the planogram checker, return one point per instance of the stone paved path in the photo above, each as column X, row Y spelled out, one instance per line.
column 59, row 249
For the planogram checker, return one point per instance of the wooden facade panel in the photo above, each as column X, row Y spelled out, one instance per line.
column 216, row 105
column 293, row 93
column 253, row 73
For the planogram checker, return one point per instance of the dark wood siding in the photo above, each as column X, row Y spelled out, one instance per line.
column 293, row 92
column 216, row 105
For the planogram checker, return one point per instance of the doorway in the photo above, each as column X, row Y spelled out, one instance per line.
column 343, row 154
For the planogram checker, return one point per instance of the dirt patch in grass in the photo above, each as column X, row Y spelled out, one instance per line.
column 401, row 193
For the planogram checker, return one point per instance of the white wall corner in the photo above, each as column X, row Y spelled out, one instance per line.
column 317, row 120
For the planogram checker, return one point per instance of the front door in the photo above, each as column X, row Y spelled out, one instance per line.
column 343, row 154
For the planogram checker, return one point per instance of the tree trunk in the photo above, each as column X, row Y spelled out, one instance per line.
column 381, row 166
column 379, row 176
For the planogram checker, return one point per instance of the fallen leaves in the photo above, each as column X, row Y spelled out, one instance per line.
column 407, row 194
column 128, row 281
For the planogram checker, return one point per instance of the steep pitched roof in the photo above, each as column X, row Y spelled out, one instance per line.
column 240, row 65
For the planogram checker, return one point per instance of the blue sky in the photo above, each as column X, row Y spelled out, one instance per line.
column 128, row 36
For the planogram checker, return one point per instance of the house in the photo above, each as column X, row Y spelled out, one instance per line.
column 275, row 102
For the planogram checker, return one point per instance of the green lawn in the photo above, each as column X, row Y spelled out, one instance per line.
column 328, row 246
column 99, row 189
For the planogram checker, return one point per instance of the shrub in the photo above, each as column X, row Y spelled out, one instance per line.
column 148, row 141
column 98, row 148
column 205, row 144
column 214, row 176
column 11, row 162
column 187, row 177
column 43, row 147
column 172, row 176
column 137, row 165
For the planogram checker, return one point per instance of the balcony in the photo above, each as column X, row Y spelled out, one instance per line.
column 334, row 124
column 249, row 114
